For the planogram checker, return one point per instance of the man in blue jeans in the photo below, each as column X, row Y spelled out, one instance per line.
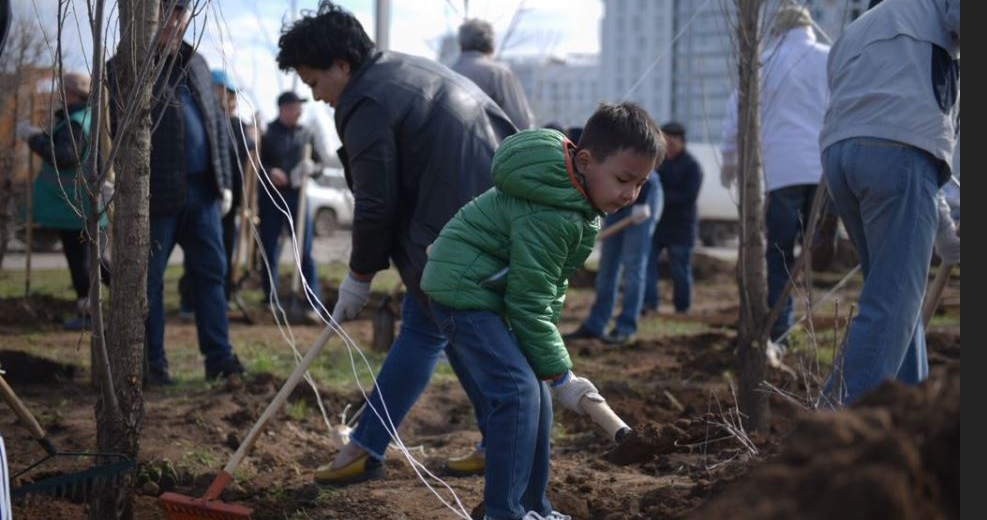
column 681, row 178
column 190, row 190
column 623, row 257
column 887, row 143
column 418, row 140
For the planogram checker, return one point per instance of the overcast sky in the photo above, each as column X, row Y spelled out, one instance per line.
column 241, row 35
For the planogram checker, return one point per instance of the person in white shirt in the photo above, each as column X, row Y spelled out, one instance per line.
column 794, row 97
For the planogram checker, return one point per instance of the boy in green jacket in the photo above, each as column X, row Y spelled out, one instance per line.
column 497, row 276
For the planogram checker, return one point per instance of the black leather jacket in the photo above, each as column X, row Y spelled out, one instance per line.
column 418, row 140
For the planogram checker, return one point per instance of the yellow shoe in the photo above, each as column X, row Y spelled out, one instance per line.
column 472, row 464
column 361, row 469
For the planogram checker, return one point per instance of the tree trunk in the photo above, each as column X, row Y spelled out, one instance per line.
column 751, row 267
column 119, row 431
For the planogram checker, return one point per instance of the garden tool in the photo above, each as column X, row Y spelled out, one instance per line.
column 110, row 468
column 935, row 290
column 597, row 408
column 298, row 305
column 208, row 506
column 385, row 318
column 622, row 224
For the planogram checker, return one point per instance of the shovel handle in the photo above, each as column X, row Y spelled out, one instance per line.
column 604, row 416
column 615, row 228
column 25, row 416
column 279, row 399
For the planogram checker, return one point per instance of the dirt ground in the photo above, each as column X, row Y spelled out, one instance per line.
column 894, row 455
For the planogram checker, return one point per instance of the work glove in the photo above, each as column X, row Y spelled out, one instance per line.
column 353, row 297
column 227, row 202
column 305, row 168
column 106, row 193
column 25, row 130
column 640, row 213
column 948, row 245
column 728, row 174
column 570, row 390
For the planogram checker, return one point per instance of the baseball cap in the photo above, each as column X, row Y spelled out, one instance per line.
column 220, row 77
column 290, row 97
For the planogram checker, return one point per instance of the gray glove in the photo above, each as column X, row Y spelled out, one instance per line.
column 570, row 390
column 227, row 203
column 304, row 168
column 353, row 297
column 948, row 245
column 25, row 130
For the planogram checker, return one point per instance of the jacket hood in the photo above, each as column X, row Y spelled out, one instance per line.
column 536, row 165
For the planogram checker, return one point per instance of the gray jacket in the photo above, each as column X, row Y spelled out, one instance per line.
column 894, row 74
column 417, row 145
column 499, row 83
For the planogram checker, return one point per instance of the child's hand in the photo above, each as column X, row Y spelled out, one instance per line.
column 570, row 389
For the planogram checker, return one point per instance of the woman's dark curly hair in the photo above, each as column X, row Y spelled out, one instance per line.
column 318, row 39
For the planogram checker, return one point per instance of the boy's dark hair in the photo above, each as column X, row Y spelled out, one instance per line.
column 317, row 39
column 615, row 126
column 476, row 35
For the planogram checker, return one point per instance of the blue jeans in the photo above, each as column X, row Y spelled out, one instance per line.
column 197, row 230
column 406, row 371
column 626, row 251
column 519, row 420
column 885, row 193
column 680, row 263
column 786, row 216
column 272, row 222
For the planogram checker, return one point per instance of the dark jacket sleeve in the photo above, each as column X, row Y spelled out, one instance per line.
column 61, row 150
column 374, row 173
column 686, row 192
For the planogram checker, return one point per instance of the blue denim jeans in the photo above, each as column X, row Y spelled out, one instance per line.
column 787, row 215
column 406, row 371
column 197, row 230
column 626, row 254
column 680, row 263
column 885, row 193
column 272, row 223
column 519, row 411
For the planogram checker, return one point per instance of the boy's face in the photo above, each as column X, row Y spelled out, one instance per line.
column 326, row 84
column 616, row 181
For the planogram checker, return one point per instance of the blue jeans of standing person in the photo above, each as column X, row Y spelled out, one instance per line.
column 197, row 230
column 272, row 223
column 786, row 217
column 680, row 265
column 519, row 420
column 404, row 375
column 885, row 193
column 626, row 254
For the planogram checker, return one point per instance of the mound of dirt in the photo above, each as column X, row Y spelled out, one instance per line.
column 895, row 454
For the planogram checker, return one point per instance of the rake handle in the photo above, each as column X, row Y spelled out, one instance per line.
column 289, row 385
column 25, row 416
column 604, row 416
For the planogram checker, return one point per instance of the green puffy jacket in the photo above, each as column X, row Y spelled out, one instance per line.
column 512, row 249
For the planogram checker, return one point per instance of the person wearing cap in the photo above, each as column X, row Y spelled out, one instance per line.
column 281, row 151
column 475, row 61
column 61, row 190
column 794, row 96
column 189, row 193
column 681, row 179
column 887, row 142
column 418, row 143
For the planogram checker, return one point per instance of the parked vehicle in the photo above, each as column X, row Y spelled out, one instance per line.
column 717, row 206
column 330, row 201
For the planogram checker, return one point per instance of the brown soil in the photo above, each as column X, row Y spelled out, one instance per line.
column 894, row 455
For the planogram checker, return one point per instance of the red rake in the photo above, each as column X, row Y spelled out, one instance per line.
column 208, row 506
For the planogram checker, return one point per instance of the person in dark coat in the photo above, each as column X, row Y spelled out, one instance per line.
column 681, row 178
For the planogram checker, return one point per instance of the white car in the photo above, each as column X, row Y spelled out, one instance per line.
column 330, row 202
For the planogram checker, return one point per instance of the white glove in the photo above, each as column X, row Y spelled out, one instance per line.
column 25, row 130
column 728, row 174
column 640, row 213
column 353, row 297
column 948, row 245
column 106, row 192
column 571, row 389
column 227, row 203
column 305, row 168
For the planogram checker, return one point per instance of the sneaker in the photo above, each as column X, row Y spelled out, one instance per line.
column 362, row 468
column 79, row 322
column 581, row 333
column 554, row 515
column 230, row 367
column 472, row 464
column 159, row 376
column 618, row 338
column 775, row 352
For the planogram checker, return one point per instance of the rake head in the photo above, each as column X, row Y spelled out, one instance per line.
column 77, row 486
column 182, row 507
